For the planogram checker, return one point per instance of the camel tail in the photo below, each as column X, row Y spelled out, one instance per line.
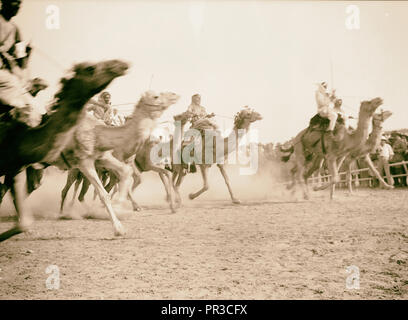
column 287, row 157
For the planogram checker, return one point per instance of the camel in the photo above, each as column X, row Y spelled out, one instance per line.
column 21, row 146
column 114, row 148
column 243, row 120
column 142, row 162
column 331, row 147
column 364, row 152
column 35, row 86
column 372, row 143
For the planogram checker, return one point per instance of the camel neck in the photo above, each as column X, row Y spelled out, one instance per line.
column 47, row 140
column 375, row 136
column 362, row 127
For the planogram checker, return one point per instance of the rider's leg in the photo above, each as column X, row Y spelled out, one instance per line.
column 332, row 116
column 13, row 94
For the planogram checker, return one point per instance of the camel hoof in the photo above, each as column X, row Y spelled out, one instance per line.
column 306, row 197
column 119, row 230
column 64, row 217
column 191, row 196
column 25, row 224
column 137, row 209
column 236, row 201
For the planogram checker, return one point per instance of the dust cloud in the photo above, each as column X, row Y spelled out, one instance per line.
column 266, row 184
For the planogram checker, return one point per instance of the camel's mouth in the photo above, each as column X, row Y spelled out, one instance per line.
column 377, row 101
column 385, row 115
column 172, row 98
column 119, row 67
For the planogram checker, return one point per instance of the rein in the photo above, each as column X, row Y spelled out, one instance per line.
column 65, row 160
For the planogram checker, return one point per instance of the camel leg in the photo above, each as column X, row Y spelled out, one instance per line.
column 406, row 171
column 356, row 180
column 376, row 173
column 167, row 182
column 19, row 194
column 71, row 178
column 337, row 163
column 316, row 165
column 333, row 169
column 136, row 181
column 3, row 190
column 332, row 165
column 88, row 169
column 84, row 189
column 79, row 178
column 163, row 180
column 124, row 175
column 179, row 175
column 319, row 176
column 203, row 169
column 293, row 173
column 349, row 177
column 226, row 179
column 113, row 180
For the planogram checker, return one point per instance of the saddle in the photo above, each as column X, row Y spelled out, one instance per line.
column 318, row 123
column 318, row 127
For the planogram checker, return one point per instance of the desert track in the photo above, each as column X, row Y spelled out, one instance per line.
column 264, row 249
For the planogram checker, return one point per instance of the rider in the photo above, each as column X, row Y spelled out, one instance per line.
column 324, row 102
column 14, row 56
column 199, row 114
column 102, row 107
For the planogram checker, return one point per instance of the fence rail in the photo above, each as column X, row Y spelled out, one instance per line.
column 356, row 171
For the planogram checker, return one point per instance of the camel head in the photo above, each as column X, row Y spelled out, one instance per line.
column 369, row 107
column 94, row 77
column 88, row 79
column 155, row 104
column 379, row 118
column 245, row 117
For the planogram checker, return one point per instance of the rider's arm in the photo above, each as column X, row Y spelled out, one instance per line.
column 190, row 109
column 25, row 51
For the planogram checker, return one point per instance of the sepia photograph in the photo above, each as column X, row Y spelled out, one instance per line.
column 203, row 150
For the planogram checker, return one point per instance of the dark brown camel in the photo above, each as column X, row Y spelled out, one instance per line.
column 311, row 146
column 21, row 146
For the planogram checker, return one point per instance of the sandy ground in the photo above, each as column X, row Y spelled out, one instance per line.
column 269, row 247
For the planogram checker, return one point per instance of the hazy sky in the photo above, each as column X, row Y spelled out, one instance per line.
column 265, row 54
